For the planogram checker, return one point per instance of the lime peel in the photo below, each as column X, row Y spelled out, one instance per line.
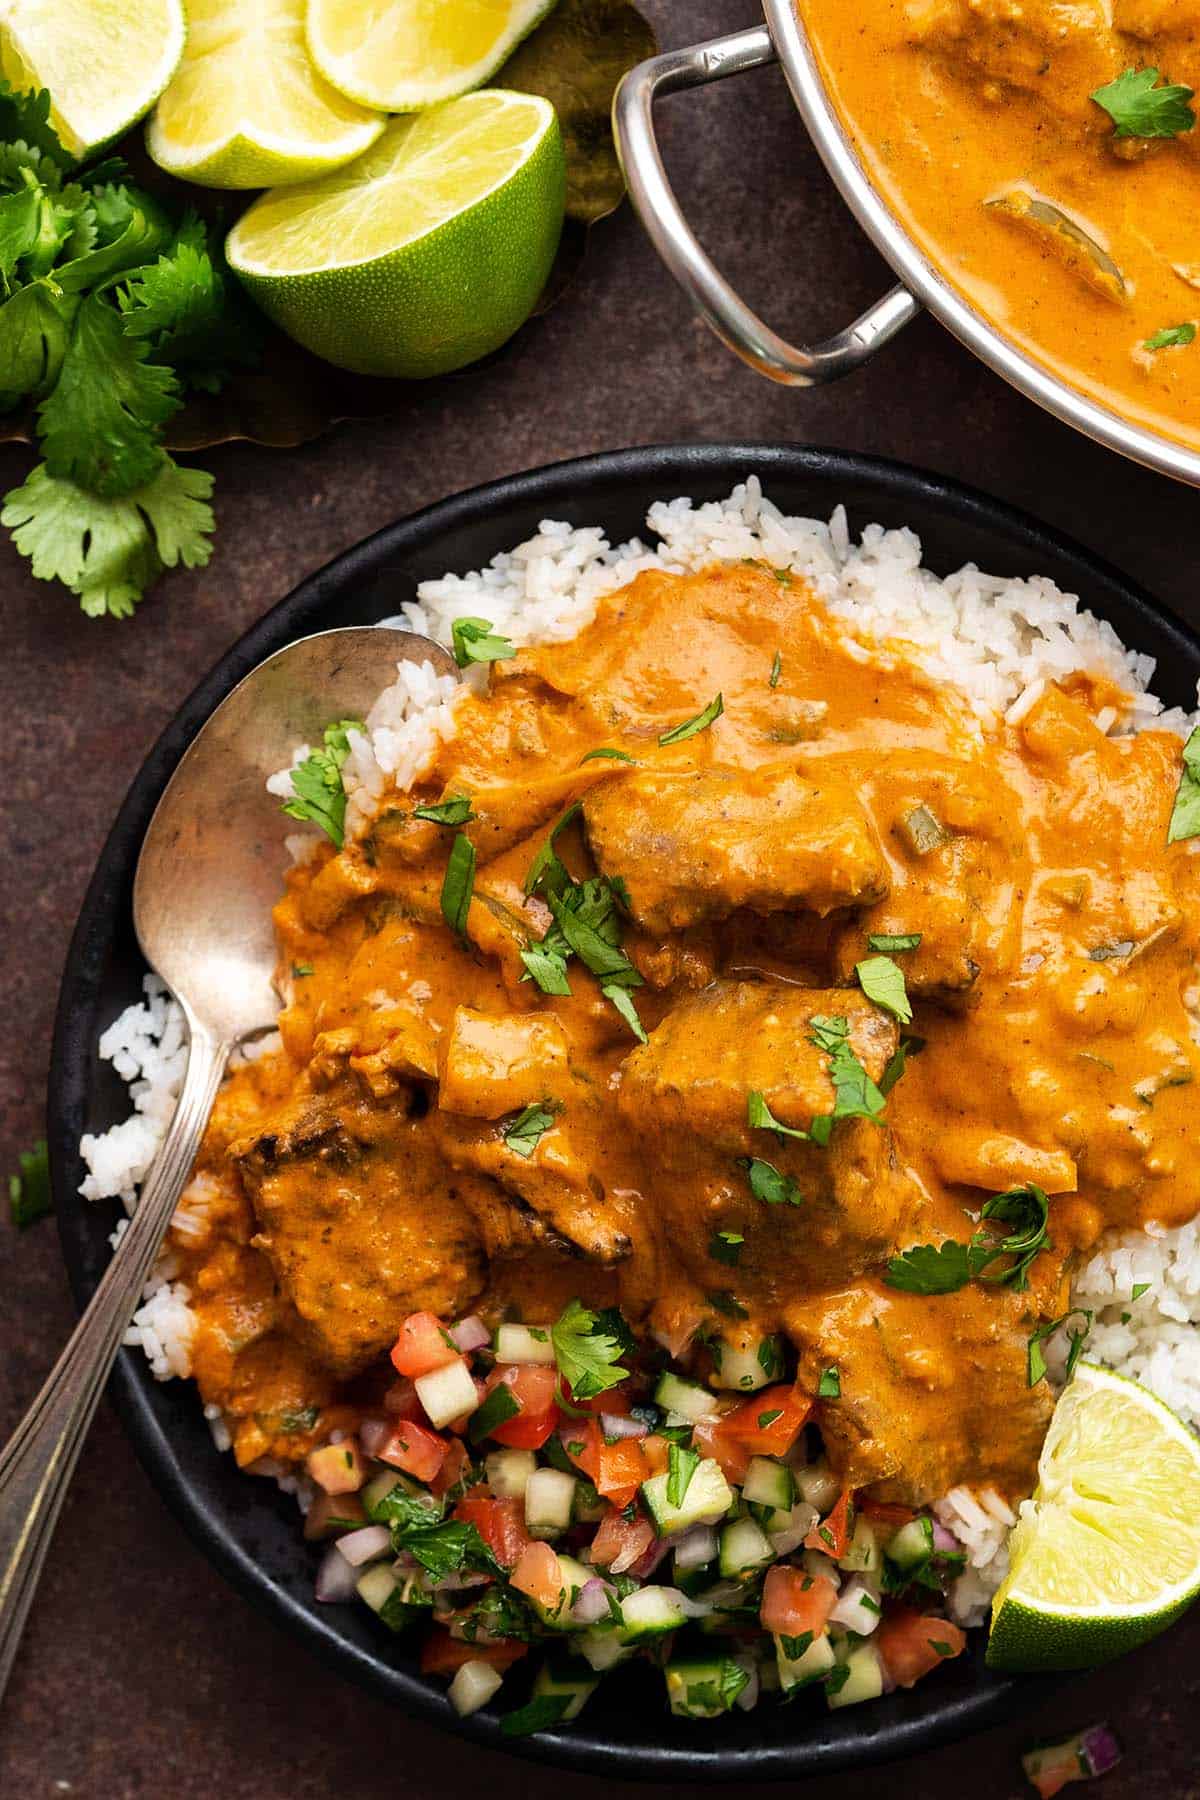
column 406, row 55
column 105, row 62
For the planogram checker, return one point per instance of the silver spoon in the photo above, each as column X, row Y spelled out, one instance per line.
column 210, row 870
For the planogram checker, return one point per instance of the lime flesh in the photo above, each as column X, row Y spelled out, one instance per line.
column 401, row 55
column 426, row 253
column 105, row 62
column 1107, row 1554
column 246, row 107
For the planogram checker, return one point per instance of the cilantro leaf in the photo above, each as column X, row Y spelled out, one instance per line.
column 727, row 1304
column 1171, row 337
column 582, row 927
column 35, row 328
column 830, row 1385
column 109, row 551
column 930, row 1269
column 131, row 229
column 547, row 872
column 100, row 426
column 588, row 1355
column 474, row 641
column 726, row 1247
column 526, row 1131
column 701, row 722
column 882, row 981
column 776, row 670
column 441, row 1549
column 547, row 968
column 893, row 943
column 319, row 798
column 855, row 1094
column 897, row 1063
column 25, row 118
column 20, row 215
column 760, row 1117
column 1027, row 1210
column 682, row 1464
column 767, row 1184
column 458, row 884
column 1037, row 1367
column 606, row 754
column 620, row 997
column 1185, row 816
column 29, row 1192
column 543, row 1710
column 455, row 811
column 1138, row 107
column 1140, row 1288
column 190, row 313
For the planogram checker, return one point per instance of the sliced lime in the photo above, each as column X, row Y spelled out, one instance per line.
column 426, row 253
column 1107, row 1554
column 105, row 62
column 401, row 55
column 246, row 107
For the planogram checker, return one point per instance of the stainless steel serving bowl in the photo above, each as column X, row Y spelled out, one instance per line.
column 783, row 39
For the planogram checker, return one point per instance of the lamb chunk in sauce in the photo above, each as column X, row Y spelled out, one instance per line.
column 439, row 1130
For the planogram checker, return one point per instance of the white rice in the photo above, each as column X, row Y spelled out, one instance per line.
column 996, row 639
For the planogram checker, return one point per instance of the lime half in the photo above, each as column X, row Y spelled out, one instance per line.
column 426, row 253
column 401, row 55
column 1107, row 1554
column 105, row 62
column 246, row 107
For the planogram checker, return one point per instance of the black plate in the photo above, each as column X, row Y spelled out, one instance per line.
column 247, row 1528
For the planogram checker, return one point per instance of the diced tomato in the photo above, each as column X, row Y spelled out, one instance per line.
column 710, row 1440
column 453, row 1469
column 400, row 1401
column 769, row 1423
column 538, row 1573
column 619, row 1540
column 583, row 1441
column 415, row 1450
column 832, row 1533
column 913, row 1643
column 612, row 1400
column 533, row 1387
column 500, row 1523
column 794, row 1602
column 657, row 1452
column 443, row 1655
column 621, row 1469
column 886, row 1512
column 423, row 1345
column 338, row 1468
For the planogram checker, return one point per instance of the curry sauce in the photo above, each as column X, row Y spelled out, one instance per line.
column 1021, row 873
column 1072, row 233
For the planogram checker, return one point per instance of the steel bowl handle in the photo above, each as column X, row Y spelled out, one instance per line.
column 748, row 336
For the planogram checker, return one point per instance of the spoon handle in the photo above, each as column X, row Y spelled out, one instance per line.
column 37, row 1464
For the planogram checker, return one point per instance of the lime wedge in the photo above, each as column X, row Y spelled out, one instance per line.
column 246, row 107
column 1107, row 1554
column 105, row 62
column 426, row 253
column 401, row 55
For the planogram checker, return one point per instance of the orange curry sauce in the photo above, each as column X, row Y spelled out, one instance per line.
column 362, row 1172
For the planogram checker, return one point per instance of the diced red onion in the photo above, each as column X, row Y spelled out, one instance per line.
column 401, row 1400
column 748, row 1698
column 793, row 1535
column 889, row 1686
column 696, row 1547
column 373, row 1434
column 591, row 1604
column 638, row 1547
column 723, row 1591
column 367, row 1545
column 460, row 1578
column 944, row 1539
column 469, row 1334
column 1102, row 1748
column 616, row 1425
column 336, row 1580
column 646, row 1564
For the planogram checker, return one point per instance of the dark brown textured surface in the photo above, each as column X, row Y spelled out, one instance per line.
column 142, row 1675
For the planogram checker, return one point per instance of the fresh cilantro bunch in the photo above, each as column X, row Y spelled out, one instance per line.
column 110, row 309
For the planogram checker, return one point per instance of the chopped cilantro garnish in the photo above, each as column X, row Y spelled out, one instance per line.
column 701, row 722
column 543, row 1710
column 1140, row 1288
column 441, row 1549
column 300, row 970
column 724, row 1302
column 769, row 1417
column 726, row 1247
column 588, row 1347
column 760, row 1117
column 455, row 811
column 769, row 1359
column 1172, row 337
column 1185, row 816
column 830, row 1385
column 608, row 754
column 776, row 670
column 944, row 1268
column 930, row 1269
column 1037, row 1360
column 682, row 1464
column 882, row 981
column 526, row 1131
column 897, row 1063
column 768, row 1184
column 794, row 1647
column 458, row 883
column 855, row 1094
column 29, row 1192
column 1138, row 107
column 318, row 796
column 474, row 641
column 893, row 943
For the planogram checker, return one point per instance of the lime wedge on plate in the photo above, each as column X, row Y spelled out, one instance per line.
column 1107, row 1554
column 426, row 253
column 246, row 107
column 105, row 62
column 401, row 55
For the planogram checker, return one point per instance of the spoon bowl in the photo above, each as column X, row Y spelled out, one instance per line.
column 207, row 877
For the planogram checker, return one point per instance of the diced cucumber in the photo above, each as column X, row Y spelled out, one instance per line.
column 704, row 1689
column 508, row 1472
column 521, row 1344
column 603, row 1647
column 912, row 1544
column 572, row 1679
column 862, row 1680
column 686, row 1399
column 549, row 1495
column 447, row 1393
column 651, row 1612
column 812, row 1664
column 708, row 1498
column 384, row 1594
column 588, row 1506
column 747, row 1366
column 744, row 1546
column 574, row 1576
column 863, row 1555
column 768, row 1483
column 393, row 1499
column 819, row 1486
column 473, row 1686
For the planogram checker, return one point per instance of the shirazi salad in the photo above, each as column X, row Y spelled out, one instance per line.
column 563, row 1491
